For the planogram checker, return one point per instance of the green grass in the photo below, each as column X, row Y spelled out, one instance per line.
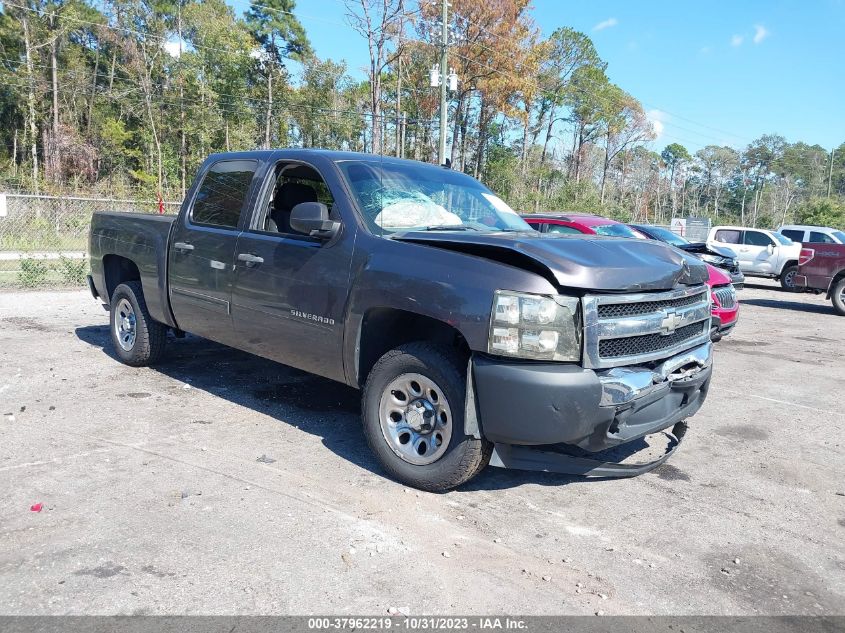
column 58, row 274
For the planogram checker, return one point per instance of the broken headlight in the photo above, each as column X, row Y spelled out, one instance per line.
column 537, row 327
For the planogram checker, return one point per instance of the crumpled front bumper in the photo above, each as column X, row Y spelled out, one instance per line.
column 530, row 403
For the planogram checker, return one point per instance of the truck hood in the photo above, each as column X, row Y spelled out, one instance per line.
column 712, row 249
column 586, row 262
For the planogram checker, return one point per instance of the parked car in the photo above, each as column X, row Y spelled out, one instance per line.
column 806, row 234
column 473, row 337
column 761, row 253
column 725, row 308
column 578, row 224
column 822, row 268
column 718, row 256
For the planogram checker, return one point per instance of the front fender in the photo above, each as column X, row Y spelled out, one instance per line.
column 450, row 287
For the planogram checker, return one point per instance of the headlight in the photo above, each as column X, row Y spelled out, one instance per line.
column 716, row 260
column 535, row 326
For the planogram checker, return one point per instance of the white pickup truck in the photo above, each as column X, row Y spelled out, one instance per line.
column 760, row 253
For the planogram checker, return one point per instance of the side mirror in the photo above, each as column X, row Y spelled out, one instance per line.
column 770, row 248
column 312, row 218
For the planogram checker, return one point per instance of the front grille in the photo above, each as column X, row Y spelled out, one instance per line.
column 649, row 343
column 726, row 297
column 617, row 310
column 637, row 329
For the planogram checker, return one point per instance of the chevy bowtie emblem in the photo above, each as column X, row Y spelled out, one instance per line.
column 670, row 322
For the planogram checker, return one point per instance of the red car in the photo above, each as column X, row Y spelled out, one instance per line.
column 725, row 311
column 579, row 223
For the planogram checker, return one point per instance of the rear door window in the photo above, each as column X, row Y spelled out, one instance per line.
column 821, row 238
column 756, row 238
column 729, row 236
column 222, row 195
column 562, row 228
column 795, row 236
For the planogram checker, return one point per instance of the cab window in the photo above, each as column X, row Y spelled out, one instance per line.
column 291, row 184
column 756, row 238
column 795, row 236
column 821, row 238
column 221, row 196
column 728, row 236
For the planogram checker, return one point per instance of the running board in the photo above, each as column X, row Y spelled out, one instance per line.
column 531, row 458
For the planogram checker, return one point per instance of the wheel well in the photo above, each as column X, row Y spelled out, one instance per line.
column 791, row 262
column 835, row 281
column 383, row 329
column 116, row 270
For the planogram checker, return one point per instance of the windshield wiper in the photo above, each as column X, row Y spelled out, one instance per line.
column 449, row 227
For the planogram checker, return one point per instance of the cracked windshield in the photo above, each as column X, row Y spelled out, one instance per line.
column 396, row 197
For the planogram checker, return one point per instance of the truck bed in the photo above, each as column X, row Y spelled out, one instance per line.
column 140, row 238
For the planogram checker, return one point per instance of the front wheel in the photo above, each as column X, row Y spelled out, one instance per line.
column 413, row 416
column 837, row 296
column 138, row 339
column 787, row 278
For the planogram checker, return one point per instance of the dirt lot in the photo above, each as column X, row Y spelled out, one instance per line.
column 222, row 483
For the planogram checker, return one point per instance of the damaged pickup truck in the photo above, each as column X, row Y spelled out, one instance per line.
column 474, row 338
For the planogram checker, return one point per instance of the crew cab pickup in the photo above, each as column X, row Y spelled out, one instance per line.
column 761, row 253
column 821, row 267
column 474, row 338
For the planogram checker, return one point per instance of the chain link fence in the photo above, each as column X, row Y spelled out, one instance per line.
column 44, row 239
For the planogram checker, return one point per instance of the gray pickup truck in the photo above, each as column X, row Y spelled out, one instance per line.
column 474, row 338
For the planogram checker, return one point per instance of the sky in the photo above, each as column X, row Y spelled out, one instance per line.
column 715, row 72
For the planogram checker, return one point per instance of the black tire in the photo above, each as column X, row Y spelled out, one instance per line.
column 837, row 297
column 150, row 335
column 787, row 276
column 464, row 456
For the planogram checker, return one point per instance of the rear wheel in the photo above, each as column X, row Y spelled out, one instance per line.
column 787, row 278
column 837, row 296
column 138, row 340
column 413, row 416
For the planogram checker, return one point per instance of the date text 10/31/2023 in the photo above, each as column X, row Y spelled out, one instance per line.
column 430, row 623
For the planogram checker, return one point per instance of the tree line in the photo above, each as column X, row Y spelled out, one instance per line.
column 125, row 96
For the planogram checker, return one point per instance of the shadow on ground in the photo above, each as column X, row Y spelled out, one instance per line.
column 797, row 306
column 322, row 407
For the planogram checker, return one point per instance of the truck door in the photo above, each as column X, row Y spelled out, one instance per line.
column 202, row 250
column 290, row 291
column 758, row 251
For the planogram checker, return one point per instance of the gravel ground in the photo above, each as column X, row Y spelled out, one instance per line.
column 220, row 483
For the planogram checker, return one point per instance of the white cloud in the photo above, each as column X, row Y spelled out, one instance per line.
column 760, row 33
column 656, row 118
column 606, row 24
column 736, row 40
column 173, row 48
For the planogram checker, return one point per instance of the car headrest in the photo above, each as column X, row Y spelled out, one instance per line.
column 291, row 194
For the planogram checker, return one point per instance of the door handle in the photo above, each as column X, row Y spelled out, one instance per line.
column 183, row 246
column 250, row 259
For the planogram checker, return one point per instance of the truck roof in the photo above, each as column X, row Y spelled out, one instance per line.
column 740, row 228
column 801, row 227
column 304, row 153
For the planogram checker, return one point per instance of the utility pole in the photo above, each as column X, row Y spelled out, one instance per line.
column 444, row 111
column 830, row 171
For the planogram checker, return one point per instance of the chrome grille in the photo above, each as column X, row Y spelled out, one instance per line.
column 610, row 310
column 640, row 328
column 648, row 343
column 726, row 297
